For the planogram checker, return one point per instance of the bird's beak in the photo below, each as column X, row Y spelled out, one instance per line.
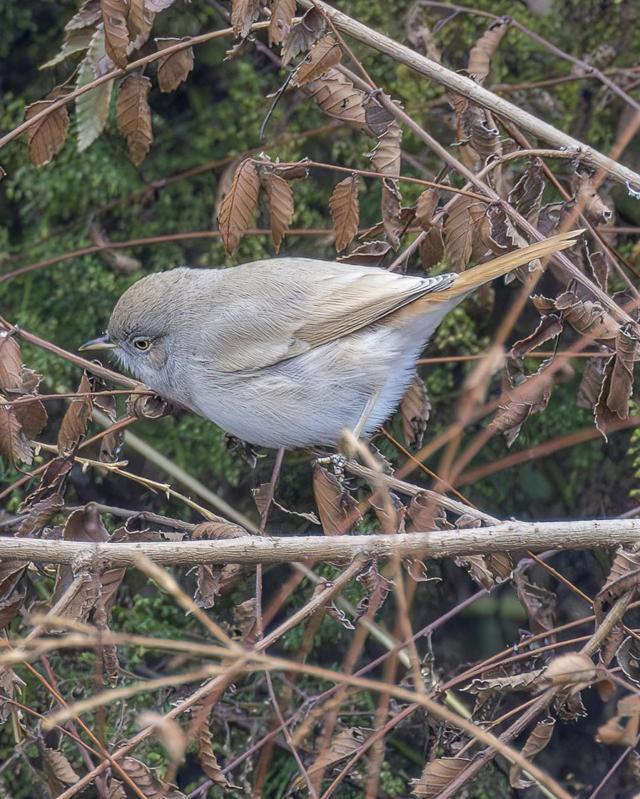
column 102, row 343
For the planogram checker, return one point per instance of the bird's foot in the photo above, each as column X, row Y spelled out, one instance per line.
column 336, row 463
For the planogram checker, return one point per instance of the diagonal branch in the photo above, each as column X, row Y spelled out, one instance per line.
column 469, row 88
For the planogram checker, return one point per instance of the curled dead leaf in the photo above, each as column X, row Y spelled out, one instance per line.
column 280, row 199
column 437, row 775
column 623, row 728
column 14, row 445
column 238, row 207
column 243, row 14
column 338, row 98
column 134, row 116
column 282, row 14
column 535, row 743
column 46, row 137
column 114, row 18
column 174, row 68
column 345, row 211
column 336, row 507
column 324, row 55
column 303, row 34
column 484, row 49
column 574, row 668
column 76, row 419
column 416, row 410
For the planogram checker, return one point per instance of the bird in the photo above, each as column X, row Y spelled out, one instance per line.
column 288, row 352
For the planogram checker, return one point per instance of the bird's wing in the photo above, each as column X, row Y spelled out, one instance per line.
column 297, row 304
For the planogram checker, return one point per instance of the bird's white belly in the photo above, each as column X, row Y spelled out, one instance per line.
column 311, row 398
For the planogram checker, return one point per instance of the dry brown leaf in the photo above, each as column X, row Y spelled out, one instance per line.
column 39, row 515
column 14, row 445
column 416, row 410
column 11, row 572
column 139, row 21
column 338, row 98
column 432, row 248
column 535, row 743
column 10, row 363
column 209, row 578
column 386, row 154
column 484, row 49
column 345, row 211
column 376, row 588
column 342, row 745
column 628, row 658
column 336, row 506
column 303, row 34
column 143, row 405
column 622, row 729
column 134, row 116
column 487, row 570
column 425, row 207
column 46, row 137
column 114, row 17
column 239, row 205
column 419, row 34
column 437, row 775
column 531, row 395
column 243, row 14
column 391, row 211
column 526, row 195
column 116, row 790
column 207, row 758
column 617, row 383
column 51, row 479
column 587, row 197
column 484, row 687
column 9, row 608
column 174, row 68
column 549, row 327
column 57, row 770
column 217, row 528
column 146, row 781
column 31, row 415
column 324, row 55
column 245, row 619
column 587, row 317
column 573, row 668
column 371, row 253
column 76, row 419
column 280, row 199
column 282, row 14
column 461, row 232
column 88, row 14
column 424, row 514
column 591, row 382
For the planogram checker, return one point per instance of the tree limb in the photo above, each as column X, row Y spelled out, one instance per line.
column 283, row 549
column 469, row 88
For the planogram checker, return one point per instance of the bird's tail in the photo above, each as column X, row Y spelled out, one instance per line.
column 467, row 281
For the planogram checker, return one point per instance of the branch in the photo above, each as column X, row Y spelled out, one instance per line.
column 283, row 549
column 469, row 88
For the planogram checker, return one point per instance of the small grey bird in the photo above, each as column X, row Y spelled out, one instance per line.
column 288, row 352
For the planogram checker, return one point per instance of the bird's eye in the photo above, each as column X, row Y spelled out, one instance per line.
column 141, row 344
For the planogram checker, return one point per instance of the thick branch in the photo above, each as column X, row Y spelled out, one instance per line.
column 281, row 549
column 469, row 88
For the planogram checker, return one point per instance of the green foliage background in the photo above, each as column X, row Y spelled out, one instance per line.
column 217, row 113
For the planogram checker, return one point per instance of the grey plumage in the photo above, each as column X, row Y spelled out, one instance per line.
column 289, row 351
